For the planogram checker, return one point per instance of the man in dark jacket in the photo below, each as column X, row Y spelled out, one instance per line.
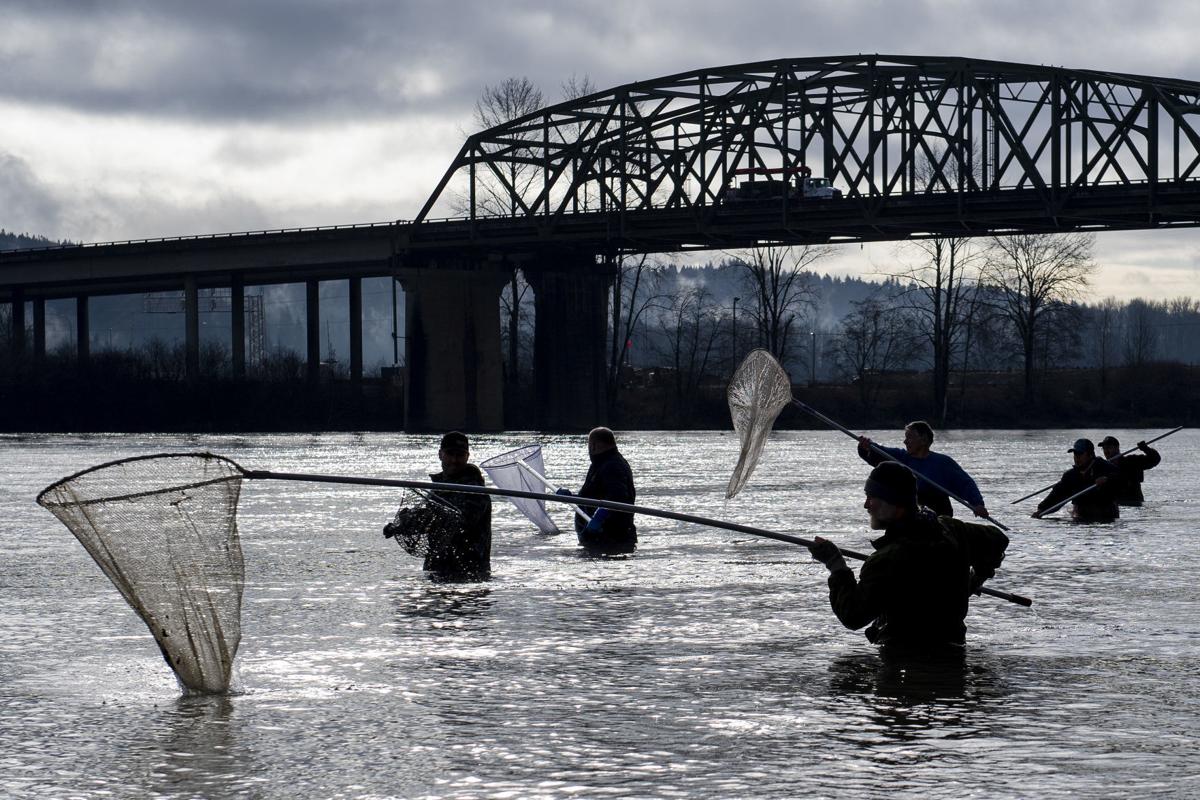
column 467, row 554
column 608, row 478
column 1131, row 469
column 913, row 590
column 1098, row 504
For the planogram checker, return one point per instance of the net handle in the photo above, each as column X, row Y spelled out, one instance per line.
column 551, row 487
column 558, row 498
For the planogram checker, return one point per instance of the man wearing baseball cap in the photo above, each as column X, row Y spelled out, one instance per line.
column 913, row 591
column 468, row 554
column 1131, row 469
column 1097, row 504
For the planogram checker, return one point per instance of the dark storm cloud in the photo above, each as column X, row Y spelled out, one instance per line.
column 317, row 59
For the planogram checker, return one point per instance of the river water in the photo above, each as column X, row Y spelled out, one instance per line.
column 706, row 665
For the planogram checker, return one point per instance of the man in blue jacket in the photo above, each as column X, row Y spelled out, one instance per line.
column 938, row 467
column 608, row 478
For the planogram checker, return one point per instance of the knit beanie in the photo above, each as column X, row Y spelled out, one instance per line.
column 893, row 483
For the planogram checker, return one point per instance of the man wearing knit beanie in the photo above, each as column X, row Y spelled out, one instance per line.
column 913, row 590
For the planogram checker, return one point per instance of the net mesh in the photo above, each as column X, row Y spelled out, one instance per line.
column 507, row 472
column 759, row 390
column 424, row 525
column 163, row 529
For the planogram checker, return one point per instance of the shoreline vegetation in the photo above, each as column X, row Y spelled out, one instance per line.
column 114, row 395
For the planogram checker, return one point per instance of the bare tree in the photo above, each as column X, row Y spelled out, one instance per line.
column 875, row 337
column 779, row 280
column 634, row 293
column 1034, row 276
column 1107, row 319
column 691, row 331
column 509, row 99
column 941, row 298
column 1141, row 335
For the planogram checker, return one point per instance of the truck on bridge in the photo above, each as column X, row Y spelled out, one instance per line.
column 757, row 190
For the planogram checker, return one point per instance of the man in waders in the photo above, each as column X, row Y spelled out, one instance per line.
column 608, row 478
column 467, row 555
column 1131, row 469
column 1096, row 505
column 937, row 467
column 913, row 590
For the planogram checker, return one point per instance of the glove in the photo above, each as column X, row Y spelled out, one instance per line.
column 563, row 492
column 597, row 522
column 828, row 554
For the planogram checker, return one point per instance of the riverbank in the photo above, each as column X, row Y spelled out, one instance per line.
column 65, row 400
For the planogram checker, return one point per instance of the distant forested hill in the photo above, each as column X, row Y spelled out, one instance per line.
column 17, row 241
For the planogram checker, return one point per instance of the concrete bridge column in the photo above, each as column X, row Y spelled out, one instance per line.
column 17, row 318
column 312, row 295
column 237, row 324
column 356, row 338
column 452, row 331
column 191, row 326
column 39, row 330
column 83, row 342
column 571, row 304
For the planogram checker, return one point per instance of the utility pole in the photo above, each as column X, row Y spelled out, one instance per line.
column 735, row 350
column 812, row 360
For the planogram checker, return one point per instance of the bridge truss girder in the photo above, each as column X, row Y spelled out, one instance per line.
column 883, row 128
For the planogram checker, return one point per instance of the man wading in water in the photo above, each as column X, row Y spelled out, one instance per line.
column 938, row 467
column 913, row 590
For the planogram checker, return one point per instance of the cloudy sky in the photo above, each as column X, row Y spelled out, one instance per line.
column 124, row 119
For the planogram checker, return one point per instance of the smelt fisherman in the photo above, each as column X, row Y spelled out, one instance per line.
column 913, row 591
column 938, row 467
column 608, row 478
column 1131, row 469
column 1097, row 505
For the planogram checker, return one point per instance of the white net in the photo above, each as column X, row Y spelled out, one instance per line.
column 522, row 469
column 759, row 390
column 163, row 529
column 424, row 525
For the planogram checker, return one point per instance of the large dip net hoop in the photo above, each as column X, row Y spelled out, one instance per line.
column 425, row 524
column 758, row 391
column 522, row 469
column 163, row 528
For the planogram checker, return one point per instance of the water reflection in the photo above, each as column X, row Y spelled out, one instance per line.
column 444, row 600
column 195, row 746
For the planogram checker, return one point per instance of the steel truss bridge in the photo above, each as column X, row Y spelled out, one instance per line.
column 919, row 147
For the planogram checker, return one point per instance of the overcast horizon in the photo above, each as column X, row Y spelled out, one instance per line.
column 124, row 120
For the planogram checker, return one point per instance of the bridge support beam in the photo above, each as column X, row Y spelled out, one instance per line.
column 312, row 304
column 17, row 320
column 237, row 324
column 191, row 325
column 83, row 340
column 39, row 331
column 570, row 375
column 356, row 327
column 452, row 332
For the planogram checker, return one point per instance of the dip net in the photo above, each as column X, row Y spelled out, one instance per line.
column 522, row 469
column 759, row 390
column 425, row 524
column 163, row 529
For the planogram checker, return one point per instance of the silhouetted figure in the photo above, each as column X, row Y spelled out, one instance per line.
column 938, row 467
column 466, row 555
column 913, row 591
column 1130, row 469
column 1097, row 505
column 608, row 478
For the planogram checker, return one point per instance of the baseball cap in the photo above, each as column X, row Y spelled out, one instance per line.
column 1082, row 446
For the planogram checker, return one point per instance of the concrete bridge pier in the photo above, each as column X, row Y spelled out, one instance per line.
column 570, row 375
column 452, row 331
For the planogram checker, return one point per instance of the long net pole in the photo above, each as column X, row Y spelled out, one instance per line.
column 555, row 498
